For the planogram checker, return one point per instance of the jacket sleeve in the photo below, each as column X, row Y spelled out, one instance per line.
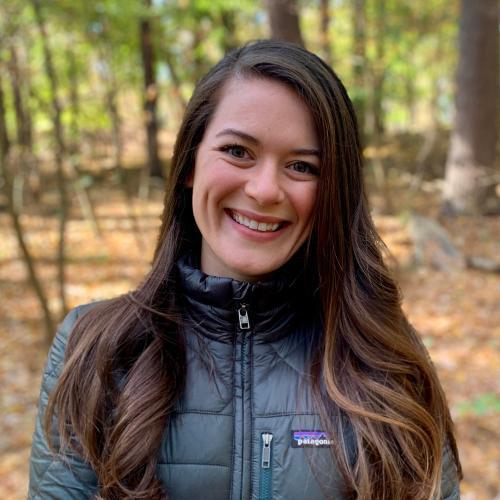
column 450, row 487
column 53, row 476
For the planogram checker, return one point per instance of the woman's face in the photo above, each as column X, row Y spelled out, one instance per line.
column 255, row 179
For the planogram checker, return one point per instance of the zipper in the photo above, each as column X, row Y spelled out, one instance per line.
column 244, row 322
column 243, row 317
column 266, row 490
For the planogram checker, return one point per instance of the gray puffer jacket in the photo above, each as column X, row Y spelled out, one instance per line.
column 246, row 426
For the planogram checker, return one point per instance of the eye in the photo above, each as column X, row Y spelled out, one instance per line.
column 303, row 167
column 236, row 151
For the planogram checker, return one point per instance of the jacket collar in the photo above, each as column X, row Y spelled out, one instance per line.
column 212, row 305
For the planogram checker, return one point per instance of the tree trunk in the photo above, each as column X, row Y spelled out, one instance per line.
column 199, row 64
column 469, row 186
column 60, row 151
column 150, row 95
column 410, row 91
column 4, row 132
column 359, row 62
column 380, row 168
column 176, row 82
column 26, row 255
column 116, row 122
column 284, row 21
column 432, row 128
column 379, row 71
column 23, row 123
column 73, row 149
column 325, row 30
column 29, row 170
column 74, row 99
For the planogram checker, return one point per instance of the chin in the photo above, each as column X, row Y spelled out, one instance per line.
column 248, row 272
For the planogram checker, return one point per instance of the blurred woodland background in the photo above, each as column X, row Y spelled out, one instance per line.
column 91, row 94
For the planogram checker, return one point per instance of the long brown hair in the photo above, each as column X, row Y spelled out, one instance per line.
column 125, row 359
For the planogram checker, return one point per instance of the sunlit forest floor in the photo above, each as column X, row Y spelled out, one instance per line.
column 456, row 312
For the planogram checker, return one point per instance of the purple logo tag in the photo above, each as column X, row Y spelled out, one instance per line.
column 310, row 439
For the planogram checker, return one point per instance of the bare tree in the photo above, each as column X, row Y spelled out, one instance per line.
column 176, row 81
column 284, row 21
column 359, row 60
column 325, row 30
column 74, row 99
column 82, row 192
column 60, row 150
column 23, row 121
column 4, row 133
column 29, row 170
column 469, row 178
column 379, row 70
column 377, row 73
column 34, row 279
column 150, row 94
column 116, row 123
column 7, row 186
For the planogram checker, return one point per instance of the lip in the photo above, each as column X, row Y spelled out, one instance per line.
column 257, row 217
column 252, row 234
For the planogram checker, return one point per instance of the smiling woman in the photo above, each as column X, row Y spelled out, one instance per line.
column 266, row 354
column 255, row 179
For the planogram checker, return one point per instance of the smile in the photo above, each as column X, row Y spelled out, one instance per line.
column 254, row 224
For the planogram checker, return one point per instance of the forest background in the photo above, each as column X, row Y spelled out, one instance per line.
column 91, row 95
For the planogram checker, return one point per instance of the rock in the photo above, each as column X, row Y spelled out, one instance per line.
column 433, row 245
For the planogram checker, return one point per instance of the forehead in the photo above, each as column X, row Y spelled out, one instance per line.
column 265, row 108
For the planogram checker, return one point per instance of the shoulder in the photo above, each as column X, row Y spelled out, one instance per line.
column 55, row 358
column 450, row 477
column 53, row 475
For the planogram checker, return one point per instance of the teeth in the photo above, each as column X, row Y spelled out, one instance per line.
column 253, row 224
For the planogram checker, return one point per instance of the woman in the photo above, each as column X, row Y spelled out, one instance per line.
column 266, row 354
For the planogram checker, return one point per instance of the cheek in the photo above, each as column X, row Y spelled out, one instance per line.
column 213, row 182
column 305, row 202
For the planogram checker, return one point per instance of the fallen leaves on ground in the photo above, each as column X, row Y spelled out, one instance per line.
column 456, row 313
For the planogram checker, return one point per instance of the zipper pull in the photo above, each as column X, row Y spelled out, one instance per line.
column 267, row 437
column 243, row 317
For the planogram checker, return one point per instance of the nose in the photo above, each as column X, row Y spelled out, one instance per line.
column 264, row 184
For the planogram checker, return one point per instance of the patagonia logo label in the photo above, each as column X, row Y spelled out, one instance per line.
column 310, row 439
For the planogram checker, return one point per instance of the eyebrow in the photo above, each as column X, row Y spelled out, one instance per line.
column 254, row 140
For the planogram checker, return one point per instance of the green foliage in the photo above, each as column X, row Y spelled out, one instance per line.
column 417, row 40
column 96, row 48
column 484, row 404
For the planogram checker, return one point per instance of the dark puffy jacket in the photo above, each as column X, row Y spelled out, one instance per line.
column 245, row 427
